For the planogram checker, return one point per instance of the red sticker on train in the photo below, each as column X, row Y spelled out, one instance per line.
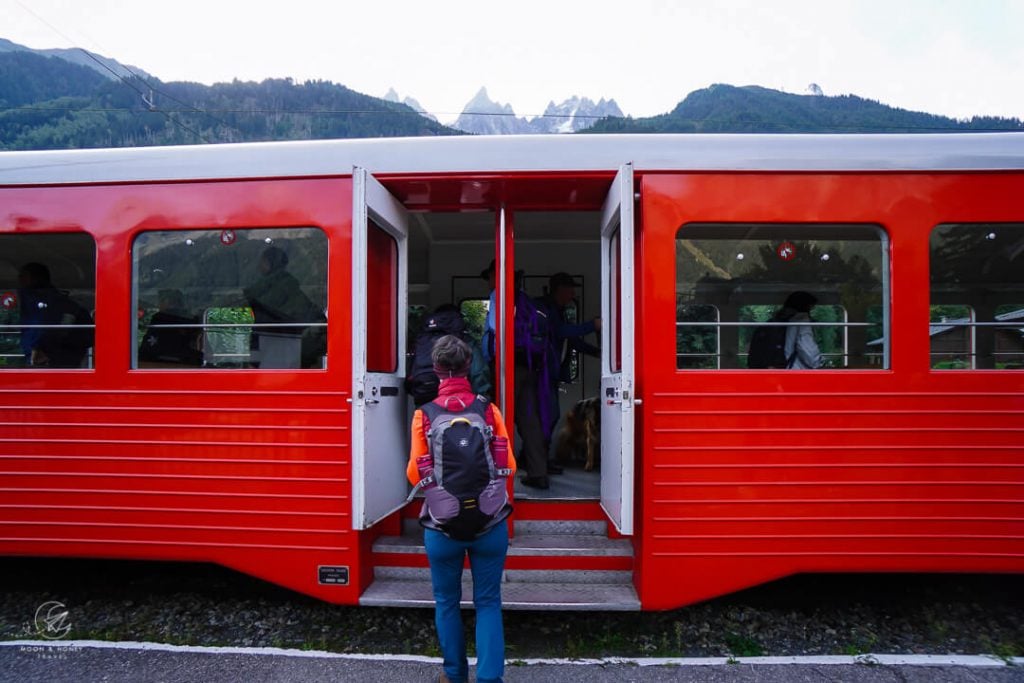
column 786, row 251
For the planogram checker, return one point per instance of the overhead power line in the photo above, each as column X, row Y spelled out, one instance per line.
column 380, row 112
column 191, row 109
column 120, row 77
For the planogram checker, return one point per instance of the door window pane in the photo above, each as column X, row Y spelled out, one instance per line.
column 615, row 297
column 977, row 296
column 381, row 300
column 230, row 298
column 47, row 299
column 817, row 293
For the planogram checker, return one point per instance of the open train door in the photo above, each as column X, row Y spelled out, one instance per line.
column 379, row 302
column 617, row 377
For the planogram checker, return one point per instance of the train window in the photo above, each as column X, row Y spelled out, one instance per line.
column 245, row 298
column 572, row 360
column 733, row 280
column 47, row 299
column 977, row 296
column 474, row 313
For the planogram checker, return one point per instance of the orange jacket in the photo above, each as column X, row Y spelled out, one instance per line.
column 419, row 443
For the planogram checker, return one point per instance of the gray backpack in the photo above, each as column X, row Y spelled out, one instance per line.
column 464, row 490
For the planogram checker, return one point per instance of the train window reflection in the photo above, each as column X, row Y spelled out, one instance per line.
column 813, row 295
column 47, row 299
column 977, row 296
column 253, row 298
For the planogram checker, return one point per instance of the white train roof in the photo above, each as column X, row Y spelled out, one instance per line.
column 469, row 154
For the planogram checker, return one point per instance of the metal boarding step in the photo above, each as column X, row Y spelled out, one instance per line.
column 522, row 589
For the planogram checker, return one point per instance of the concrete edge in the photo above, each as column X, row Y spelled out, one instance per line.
column 981, row 660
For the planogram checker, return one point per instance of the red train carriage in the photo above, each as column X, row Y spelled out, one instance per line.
column 202, row 354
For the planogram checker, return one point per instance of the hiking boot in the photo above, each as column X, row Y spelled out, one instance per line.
column 536, row 482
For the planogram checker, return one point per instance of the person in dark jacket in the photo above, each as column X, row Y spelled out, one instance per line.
column 421, row 381
column 165, row 342
column 278, row 298
column 565, row 337
column 57, row 331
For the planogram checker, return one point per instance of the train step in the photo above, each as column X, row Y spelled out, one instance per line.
column 535, row 541
column 563, row 538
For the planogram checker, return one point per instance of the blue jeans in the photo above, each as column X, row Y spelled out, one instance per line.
column 487, row 562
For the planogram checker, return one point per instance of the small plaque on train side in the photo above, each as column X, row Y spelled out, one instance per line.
column 334, row 576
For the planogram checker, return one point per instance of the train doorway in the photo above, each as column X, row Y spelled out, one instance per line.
column 411, row 257
column 552, row 247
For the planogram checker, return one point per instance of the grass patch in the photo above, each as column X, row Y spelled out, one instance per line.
column 743, row 646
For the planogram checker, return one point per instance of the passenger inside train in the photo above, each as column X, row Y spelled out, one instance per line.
column 451, row 260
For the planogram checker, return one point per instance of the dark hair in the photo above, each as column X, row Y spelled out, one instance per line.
column 275, row 257
column 559, row 280
column 801, row 301
column 37, row 273
column 173, row 297
column 451, row 356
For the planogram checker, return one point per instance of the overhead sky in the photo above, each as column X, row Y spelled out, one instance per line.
column 953, row 57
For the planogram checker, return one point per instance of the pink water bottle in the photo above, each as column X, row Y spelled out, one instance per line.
column 499, row 451
column 425, row 465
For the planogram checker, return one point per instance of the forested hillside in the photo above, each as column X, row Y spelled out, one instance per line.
column 49, row 103
column 752, row 109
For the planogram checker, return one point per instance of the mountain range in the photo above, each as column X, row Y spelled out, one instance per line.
column 484, row 116
column 109, row 68
column 53, row 99
column 724, row 108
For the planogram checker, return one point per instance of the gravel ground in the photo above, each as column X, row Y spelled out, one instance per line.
column 829, row 614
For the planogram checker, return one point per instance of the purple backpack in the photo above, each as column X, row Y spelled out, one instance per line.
column 532, row 329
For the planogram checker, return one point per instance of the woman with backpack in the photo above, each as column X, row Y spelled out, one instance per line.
column 461, row 459
column 800, row 346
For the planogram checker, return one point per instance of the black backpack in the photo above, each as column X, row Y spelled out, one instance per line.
column 464, row 490
column 421, row 381
column 768, row 345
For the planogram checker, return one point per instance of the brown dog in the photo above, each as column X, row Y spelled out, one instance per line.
column 580, row 434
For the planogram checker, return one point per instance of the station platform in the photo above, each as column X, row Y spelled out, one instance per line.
column 29, row 661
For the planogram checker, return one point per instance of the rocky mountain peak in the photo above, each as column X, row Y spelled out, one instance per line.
column 484, row 116
column 392, row 96
column 574, row 114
